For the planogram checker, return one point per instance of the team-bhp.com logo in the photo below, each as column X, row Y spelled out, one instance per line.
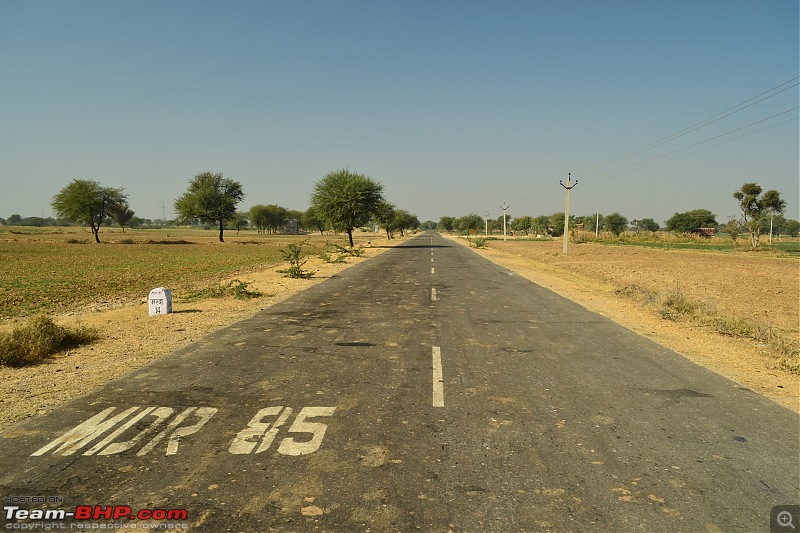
column 15, row 516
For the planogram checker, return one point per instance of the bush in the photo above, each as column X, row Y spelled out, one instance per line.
column 339, row 254
column 39, row 339
column 292, row 254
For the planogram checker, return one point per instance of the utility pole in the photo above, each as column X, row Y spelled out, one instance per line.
column 486, row 223
column 771, row 216
column 503, row 206
column 569, row 186
column 597, row 226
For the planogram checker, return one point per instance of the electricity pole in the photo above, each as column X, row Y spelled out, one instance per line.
column 503, row 206
column 486, row 224
column 569, row 187
column 597, row 226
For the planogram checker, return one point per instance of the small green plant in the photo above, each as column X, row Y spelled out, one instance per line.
column 233, row 289
column 480, row 242
column 40, row 338
column 330, row 257
column 339, row 254
column 354, row 251
column 292, row 254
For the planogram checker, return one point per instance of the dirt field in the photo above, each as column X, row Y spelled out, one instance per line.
column 747, row 285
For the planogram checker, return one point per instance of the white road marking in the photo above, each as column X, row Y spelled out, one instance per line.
column 433, row 295
column 432, row 270
column 438, row 382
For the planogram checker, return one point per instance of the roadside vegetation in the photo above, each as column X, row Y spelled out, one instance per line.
column 64, row 271
column 675, row 305
column 39, row 339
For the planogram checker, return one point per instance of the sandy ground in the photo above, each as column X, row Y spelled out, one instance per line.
column 588, row 275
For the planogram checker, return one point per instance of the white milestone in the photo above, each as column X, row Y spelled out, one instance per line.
column 160, row 301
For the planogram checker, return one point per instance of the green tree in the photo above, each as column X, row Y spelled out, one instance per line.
column 756, row 208
column 556, row 224
column 384, row 215
column 468, row 222
column 211, row 198
column 87, row 202
column 645, row 224
column 238, row 221
column 522, row 224
column 691, row 220
column 121, row 214
column 346, row 200
column 615, row 223
column 310, row 221
column 14, row 219
column 428, row 225
column 446, row 224
column 784, row 226
column 293, row 220
column 791, row 227
column 541, row 224
column 732, row 229
column 402, row 220
column 259, row 217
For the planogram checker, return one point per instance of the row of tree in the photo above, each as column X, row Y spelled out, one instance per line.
column 762, row 212
column 341, row 201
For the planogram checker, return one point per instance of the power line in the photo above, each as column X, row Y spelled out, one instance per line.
column 616, row 171
column 710, row 120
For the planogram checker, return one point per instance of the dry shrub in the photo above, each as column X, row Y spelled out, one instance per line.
column 40, row 338
column 676, row 306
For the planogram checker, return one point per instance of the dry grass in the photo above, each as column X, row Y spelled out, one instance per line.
column 40, row 338
column 677, row 306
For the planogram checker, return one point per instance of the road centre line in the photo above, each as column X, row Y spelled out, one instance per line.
column 438, row 382
column 433, row 295
column 432, row 270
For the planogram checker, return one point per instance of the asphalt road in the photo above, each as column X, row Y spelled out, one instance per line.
column 425, row 389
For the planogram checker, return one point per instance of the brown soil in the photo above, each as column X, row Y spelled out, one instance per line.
column 763, row 288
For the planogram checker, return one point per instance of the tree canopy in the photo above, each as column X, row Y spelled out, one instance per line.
column 691, row 220
column 384, row 216
column 210, row 198
column 88, row 202
column 615, row 223
column 268, row 217
column 346, row 200
column 756, row 207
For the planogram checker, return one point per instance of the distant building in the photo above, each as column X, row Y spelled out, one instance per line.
column 705, row 232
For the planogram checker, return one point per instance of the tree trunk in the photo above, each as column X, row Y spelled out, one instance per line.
column 221, row 227
column 350, row 234
column 96, row 236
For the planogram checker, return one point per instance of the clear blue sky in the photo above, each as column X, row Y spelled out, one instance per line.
column 455, row 106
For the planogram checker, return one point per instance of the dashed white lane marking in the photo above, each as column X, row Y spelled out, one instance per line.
column 433, row 295
column 432, row 270
column 438, row 382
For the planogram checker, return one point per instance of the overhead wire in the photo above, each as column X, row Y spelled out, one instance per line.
column 617, row 171
column 703, row 123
